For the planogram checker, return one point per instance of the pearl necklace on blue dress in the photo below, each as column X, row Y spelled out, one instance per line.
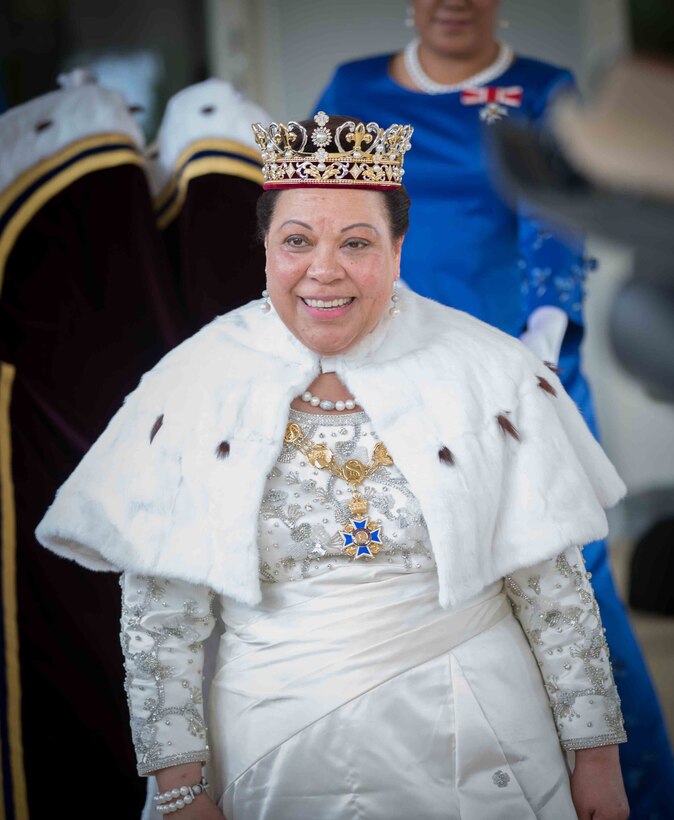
column 429, row 86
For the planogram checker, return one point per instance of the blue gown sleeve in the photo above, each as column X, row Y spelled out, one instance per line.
column 554, row 268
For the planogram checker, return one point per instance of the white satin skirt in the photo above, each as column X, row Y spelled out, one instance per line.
column 338, row 698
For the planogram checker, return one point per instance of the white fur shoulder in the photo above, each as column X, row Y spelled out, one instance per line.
column 504, row 468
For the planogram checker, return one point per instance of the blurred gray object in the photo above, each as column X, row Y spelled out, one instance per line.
column 617, row 194
column 532, row 165
column 608, row 169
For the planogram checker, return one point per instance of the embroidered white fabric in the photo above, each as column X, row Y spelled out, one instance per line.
column 304, row 509
column 311, row 587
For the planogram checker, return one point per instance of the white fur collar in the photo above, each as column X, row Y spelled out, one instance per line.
column 429, row 379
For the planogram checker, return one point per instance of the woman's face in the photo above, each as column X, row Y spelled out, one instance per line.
column 331, row 265
column 458, row 28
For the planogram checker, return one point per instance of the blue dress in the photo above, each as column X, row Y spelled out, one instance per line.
column 469, row 249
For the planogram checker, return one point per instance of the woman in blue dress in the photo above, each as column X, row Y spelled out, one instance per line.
column 500, row 265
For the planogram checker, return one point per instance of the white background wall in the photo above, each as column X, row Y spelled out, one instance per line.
column 283, row 53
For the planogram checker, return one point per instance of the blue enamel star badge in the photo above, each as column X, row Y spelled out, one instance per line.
column 361, row 538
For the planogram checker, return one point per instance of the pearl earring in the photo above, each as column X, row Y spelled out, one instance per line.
column 409, row 19
column 394, row 310
column 503, row 24
column 265, row 307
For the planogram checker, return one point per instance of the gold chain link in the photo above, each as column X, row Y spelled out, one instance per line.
column 321, row 456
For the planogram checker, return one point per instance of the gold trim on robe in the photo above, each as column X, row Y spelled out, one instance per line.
column 9, row 602
column 34, row 188
column 208, row 156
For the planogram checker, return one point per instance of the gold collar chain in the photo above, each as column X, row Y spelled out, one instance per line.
column 362, row 538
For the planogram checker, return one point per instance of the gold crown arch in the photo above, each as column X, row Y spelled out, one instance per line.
column 367, row 155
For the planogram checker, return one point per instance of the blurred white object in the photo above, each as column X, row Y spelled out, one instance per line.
column 76, row 78
column 136, row 75
column 210, row 110
column 625, row 138
column 545, row 332
column 43, row 127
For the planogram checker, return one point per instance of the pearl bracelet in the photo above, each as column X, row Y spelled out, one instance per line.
column 179, row 797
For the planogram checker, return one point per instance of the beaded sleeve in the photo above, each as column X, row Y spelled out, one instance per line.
column 164, row 624
column 555, row 604
column 554, row 271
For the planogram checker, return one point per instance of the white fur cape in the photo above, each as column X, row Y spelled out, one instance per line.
column 159, row 493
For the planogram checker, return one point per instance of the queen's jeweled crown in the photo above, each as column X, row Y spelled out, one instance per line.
column 350, row 153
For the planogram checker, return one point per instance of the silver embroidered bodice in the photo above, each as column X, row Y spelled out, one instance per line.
column 304, row 509
column 165, row 622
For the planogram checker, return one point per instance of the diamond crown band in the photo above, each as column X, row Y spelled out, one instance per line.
column 351, row 153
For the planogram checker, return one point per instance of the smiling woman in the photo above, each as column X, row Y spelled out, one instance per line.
column 331, row 265
column 391, row 571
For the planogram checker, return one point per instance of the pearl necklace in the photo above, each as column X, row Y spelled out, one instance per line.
column 429, row 86
column 324, row 404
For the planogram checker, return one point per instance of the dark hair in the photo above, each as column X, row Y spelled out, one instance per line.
column 396, row 199
column 397, row 208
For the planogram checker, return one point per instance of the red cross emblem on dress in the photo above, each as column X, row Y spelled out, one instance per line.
column 495, row 99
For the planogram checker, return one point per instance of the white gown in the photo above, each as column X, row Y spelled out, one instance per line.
column 348, row 692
